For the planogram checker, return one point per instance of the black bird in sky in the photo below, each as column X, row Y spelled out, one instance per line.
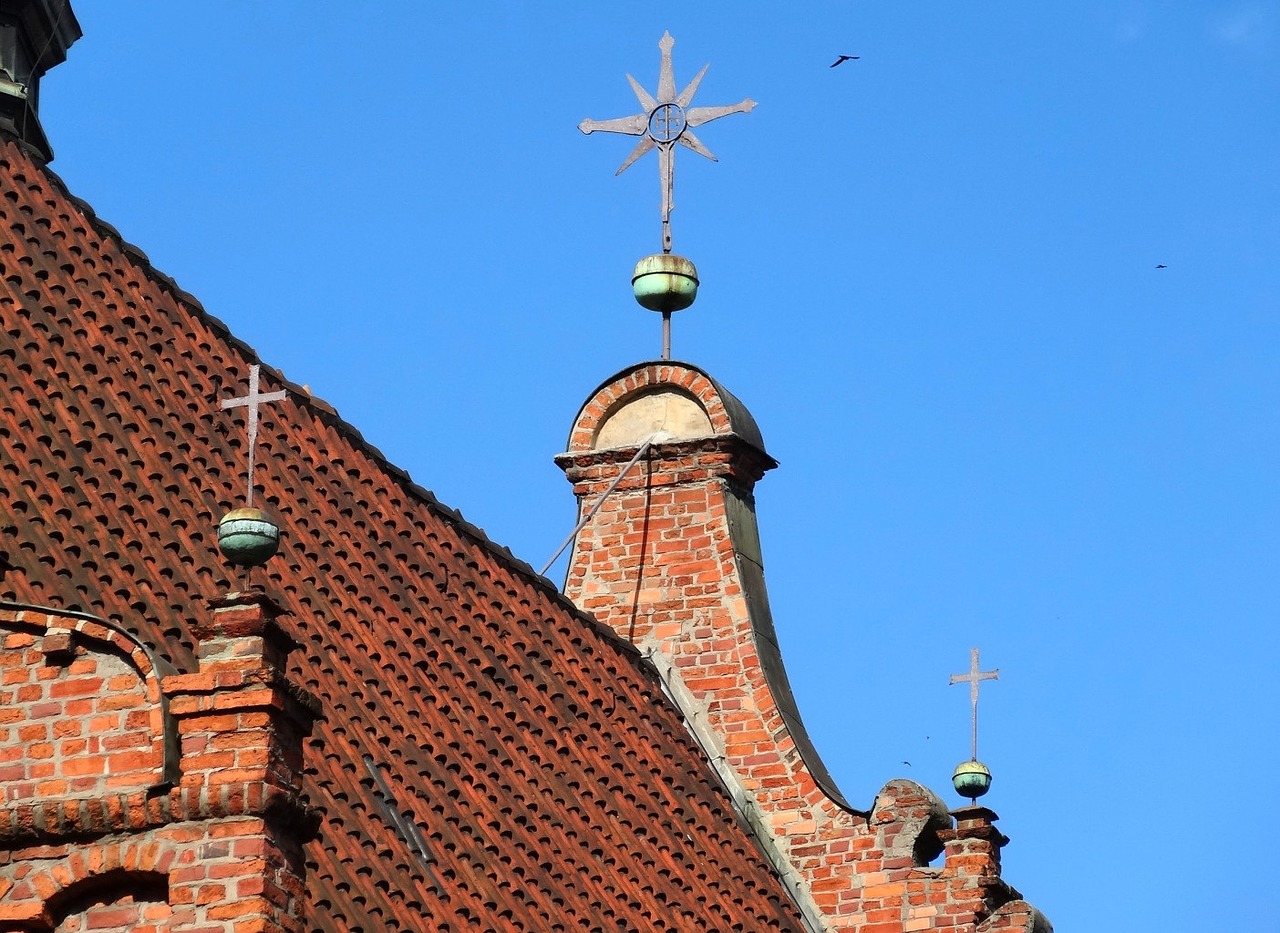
column 845, row 58
column 1161, row 265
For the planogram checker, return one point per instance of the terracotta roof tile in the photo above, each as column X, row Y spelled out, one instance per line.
column 554, row 785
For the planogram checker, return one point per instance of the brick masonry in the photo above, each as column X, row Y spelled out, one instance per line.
column 672, row 562
column 551, row 783
column 78, row 714
column 145, row 801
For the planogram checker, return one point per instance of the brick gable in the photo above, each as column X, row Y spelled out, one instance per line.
column 552, row 782
column 672, row 561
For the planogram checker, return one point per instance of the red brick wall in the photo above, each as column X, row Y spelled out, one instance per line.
column 75, row 716
column 129, row 901
column 94, row 835
column 206, row 876
column 107, row 913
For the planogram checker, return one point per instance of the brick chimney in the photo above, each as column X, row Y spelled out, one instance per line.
column 34, row 37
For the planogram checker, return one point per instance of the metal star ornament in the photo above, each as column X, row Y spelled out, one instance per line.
column 667, row 119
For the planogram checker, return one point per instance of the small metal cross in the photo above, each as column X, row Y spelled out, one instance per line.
column 665, row 121
column 972, row 679
column 252, row 401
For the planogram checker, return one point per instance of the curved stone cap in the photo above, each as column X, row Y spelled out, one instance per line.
column 678, row 399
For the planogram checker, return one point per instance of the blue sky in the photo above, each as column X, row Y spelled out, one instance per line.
column 930, row 274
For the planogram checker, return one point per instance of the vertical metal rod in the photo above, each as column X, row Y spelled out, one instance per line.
column 974, row 733
column 666, row 335
column 248, row 499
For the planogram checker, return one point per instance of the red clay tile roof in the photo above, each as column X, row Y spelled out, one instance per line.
column 555, row 786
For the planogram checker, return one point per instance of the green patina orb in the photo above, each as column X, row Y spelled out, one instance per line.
column 664, row 282
column 248, row 537
column 972, row 779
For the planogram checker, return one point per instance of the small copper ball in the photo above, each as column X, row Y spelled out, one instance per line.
column 972, row 779
column 248, row 537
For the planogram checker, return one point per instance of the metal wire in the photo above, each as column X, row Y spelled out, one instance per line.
column 582, row 523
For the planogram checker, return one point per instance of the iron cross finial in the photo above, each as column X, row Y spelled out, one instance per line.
column 666, row 120
column 252, row 401
column 972, row 678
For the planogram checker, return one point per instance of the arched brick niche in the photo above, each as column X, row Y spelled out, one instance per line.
column 108, row 887
column 116, row 902
column 677, row 401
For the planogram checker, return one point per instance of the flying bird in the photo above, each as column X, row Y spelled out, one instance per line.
column 1161, row 265
column 845, row 58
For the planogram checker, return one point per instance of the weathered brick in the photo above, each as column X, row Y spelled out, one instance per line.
column 661, row 564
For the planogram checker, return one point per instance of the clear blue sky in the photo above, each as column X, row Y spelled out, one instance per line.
column 930, row 274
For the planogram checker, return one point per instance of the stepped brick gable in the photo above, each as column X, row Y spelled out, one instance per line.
column 672, row 562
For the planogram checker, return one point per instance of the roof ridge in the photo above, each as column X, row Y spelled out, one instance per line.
column 327, row 412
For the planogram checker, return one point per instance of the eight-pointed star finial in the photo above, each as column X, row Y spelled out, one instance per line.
column 667, row 119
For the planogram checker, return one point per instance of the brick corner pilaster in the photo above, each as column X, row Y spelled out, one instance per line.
column 241, row 721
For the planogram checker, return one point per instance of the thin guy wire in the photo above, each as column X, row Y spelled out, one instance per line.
column 599, row 502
